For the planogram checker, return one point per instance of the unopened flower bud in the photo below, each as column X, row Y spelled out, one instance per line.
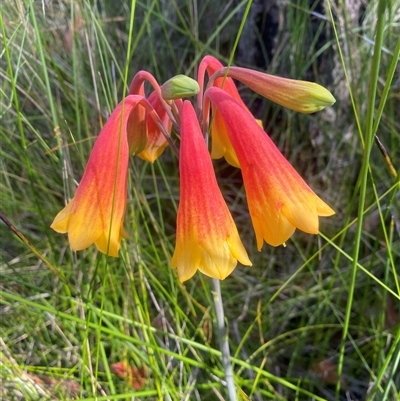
column 302, row 96
column 178, row 87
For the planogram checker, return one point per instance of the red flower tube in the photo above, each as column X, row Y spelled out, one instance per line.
column 278, row 198
column 207, row 238
column 220, row 145
column 145, row 137
column 95, row 215
column 155, row 139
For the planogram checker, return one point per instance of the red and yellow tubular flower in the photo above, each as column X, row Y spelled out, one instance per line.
column 155, row 139
column 207, row 238
column 220, row 146
column 95, row 215
column 278, row 198
column 144, row 136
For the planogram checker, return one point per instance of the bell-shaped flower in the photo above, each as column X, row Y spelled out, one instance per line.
column 156, row 141
column 145, row 138
column 220, row 146
column 206, row 238
column 278, row 198
column 95, row 215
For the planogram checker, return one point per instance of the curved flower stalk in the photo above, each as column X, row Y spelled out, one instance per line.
column 146, row 138
column 207, row 238
column 278, row 198
column 211, row 65
column 220, row 145
column 138, row 81
column 95, row 215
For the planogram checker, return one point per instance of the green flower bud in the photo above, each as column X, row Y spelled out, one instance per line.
column 178, row 87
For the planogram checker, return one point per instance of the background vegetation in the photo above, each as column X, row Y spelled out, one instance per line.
column 317, row 320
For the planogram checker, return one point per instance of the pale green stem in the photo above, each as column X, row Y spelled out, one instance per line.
column 223, row 340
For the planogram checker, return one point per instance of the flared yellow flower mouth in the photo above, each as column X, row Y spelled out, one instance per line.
column 217, row 258
column 278, row 198
column 207, row 238
column 96, row 213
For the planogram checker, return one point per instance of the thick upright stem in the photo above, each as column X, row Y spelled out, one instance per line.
column 224, row 340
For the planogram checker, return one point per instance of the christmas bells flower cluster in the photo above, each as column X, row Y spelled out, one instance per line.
column 207, row 239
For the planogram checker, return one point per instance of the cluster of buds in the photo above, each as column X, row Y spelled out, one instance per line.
column 207, row 239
